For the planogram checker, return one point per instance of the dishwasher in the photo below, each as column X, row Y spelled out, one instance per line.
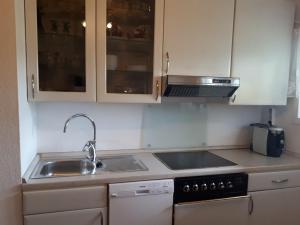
column 141, row 203
column 212, row 200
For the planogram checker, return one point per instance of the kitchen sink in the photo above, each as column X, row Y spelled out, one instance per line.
column 64, row 168
column 125, row 163
column 79, row 167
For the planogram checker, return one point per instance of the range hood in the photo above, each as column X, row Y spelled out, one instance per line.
column 198, row 86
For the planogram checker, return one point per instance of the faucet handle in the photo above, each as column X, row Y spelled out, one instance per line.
column 86, row 146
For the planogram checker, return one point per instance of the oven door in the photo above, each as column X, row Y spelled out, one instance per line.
column 214, row 212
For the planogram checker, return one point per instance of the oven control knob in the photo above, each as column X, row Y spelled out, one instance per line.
column 229, row 185
column 213, row 186
column 186, row 188
column 221, row 186
column 204, row 187
column 195, row 187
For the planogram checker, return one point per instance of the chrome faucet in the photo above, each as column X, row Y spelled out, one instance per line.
column 90, row 146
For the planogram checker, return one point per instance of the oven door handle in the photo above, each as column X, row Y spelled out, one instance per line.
column 196, row 203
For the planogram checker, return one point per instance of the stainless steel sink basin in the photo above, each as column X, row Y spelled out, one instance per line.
column 77, row 167
column 64, row 168
column 124, row 163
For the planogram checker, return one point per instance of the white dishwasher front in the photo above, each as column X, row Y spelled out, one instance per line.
column 141, row 203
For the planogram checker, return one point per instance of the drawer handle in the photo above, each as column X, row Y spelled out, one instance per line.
column 280, row 181
column 114, row 195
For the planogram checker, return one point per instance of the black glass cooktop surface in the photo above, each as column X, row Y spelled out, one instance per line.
column 192, row 160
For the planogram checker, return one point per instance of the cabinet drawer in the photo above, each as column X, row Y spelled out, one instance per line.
column 57, row 200
column 80, row 217
column 274, row 180
column 206, row 211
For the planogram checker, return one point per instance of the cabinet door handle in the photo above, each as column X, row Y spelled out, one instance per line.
column 157, row 90
column 233, row 99
column 280, row 181
column 168, row 63
column 251, row 206
column 101, row 218
column 32, row 85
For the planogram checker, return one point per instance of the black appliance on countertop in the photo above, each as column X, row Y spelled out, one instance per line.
column 267, row 140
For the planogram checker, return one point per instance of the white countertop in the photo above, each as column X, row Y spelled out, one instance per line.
column 246, row 162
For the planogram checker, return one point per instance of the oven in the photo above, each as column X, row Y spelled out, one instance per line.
column 212, row 200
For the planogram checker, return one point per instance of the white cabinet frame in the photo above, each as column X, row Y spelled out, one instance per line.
column 261, row 51
column 102, row 95
column 198, row 37
column 34, row 94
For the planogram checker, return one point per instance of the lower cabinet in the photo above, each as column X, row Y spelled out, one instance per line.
column 275, row 198
column 213, row 212
column 78, row 217
column 276, row 207
column 66, row 206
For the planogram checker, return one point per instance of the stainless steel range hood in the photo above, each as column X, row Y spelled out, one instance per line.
column 198, row 86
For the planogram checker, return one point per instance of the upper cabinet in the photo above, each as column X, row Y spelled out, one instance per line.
column 129, row 50
column 198, row 37
column 118, row 50
column 60, row 38
column 261, row 50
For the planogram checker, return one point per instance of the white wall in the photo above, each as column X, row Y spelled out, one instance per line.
column 229, row 125
column 26, row 111
column 120, row 126
column 10, row 174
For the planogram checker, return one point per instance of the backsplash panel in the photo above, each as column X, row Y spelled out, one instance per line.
column 134, row 126
column 118, row 126
column 174, row 125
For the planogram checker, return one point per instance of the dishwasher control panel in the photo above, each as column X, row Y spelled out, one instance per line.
column 199, row 188
column 155, row 187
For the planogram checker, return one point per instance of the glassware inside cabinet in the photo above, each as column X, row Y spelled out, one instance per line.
column 61, row 45
column 130, row 46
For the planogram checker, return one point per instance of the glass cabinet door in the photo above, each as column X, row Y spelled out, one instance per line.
column 131, row 28
column 61, row 48
column 130, row 45
column 61, row 45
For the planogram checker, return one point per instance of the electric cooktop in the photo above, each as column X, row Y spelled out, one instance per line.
column 192, row 160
